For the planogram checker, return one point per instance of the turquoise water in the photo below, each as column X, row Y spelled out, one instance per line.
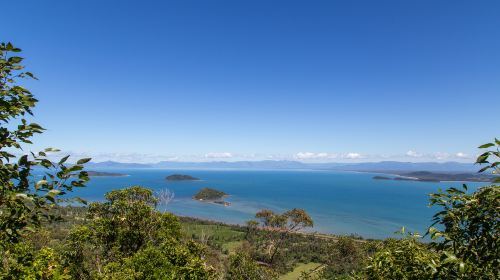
column 339, row 202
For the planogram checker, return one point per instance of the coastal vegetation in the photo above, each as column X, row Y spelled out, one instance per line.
column 44, row 235
column 209, row 194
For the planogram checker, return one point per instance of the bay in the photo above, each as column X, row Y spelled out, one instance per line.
column 339, row 202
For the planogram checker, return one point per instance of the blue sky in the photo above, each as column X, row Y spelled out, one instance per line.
column 229, row 80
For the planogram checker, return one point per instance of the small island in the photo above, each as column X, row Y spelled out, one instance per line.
column 180, row 177
column 211, row 195
column 104, row 174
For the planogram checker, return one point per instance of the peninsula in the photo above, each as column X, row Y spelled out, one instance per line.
column 381, row 178
column 104, row 174
column 426, row 176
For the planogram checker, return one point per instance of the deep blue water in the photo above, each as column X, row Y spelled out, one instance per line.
column 339, row 202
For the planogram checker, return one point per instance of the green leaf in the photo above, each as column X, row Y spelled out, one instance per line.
column 484, row 169
column 63, row 160
column 450, row 257
column 83, row 160
column 484, row 146
column 74, row 168
column 15, row 59
column 23, row 160
column 461, row 267
column 35, row 125
column 30, row 229
column 482, row 159
column 31, row 75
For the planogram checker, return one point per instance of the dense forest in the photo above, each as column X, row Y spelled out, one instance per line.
column 44, row 235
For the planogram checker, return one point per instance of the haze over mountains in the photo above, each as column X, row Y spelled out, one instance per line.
column 383, row 166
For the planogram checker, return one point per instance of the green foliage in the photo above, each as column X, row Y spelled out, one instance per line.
column 209, row 194
column 168, row 261
column 128, row 221
column 126, row 233
column 134, row 195
column 345, row 256
column 469, row 230
column 490, row 158
column 303, row 271
column 243, row 267
column 25, row 203
column 20, row 261
column 403, row 259
column 117, row 271
column 277, row 228
column 290, row 221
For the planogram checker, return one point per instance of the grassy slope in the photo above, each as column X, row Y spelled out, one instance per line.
column 232, row 246
column 303, row 267
column 218, row 234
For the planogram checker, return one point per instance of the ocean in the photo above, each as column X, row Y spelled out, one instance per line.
column 339, row 202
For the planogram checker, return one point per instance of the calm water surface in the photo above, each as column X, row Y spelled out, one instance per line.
column 339, row 202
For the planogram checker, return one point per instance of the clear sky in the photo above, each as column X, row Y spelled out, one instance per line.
column 228, row 80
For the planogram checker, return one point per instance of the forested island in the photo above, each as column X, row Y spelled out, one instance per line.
column 180, row 177
column 211, row 195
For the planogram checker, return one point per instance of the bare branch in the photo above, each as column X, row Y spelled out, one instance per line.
column 165, row 196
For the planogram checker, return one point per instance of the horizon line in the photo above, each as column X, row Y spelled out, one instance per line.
column 282, row 160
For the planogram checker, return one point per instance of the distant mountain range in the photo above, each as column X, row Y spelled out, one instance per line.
column 383, row 166
column 114, row 164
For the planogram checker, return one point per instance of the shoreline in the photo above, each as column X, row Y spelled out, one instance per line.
column 221, row 202
column 423, row 180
